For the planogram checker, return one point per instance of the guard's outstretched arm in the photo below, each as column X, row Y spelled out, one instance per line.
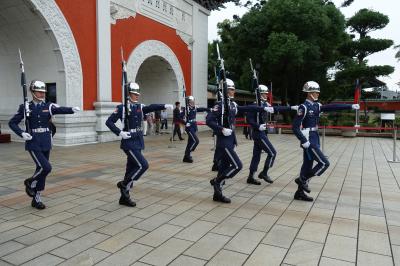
column 250, row 108
column 335, row 107
column 203, row 109
column 152, row 107
column 282, row 108
column 55, row 109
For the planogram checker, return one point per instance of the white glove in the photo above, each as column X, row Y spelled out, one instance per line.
column 355, row 106
column 187, row 124
column 125, row 135
column 306, row 145
column 294, row 107
column 269, row 109
column 262, row 127
column 76, row 109
column 227, row 132
column 26, row 136
column 168, row 106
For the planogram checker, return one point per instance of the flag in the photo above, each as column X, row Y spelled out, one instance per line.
column 357, row 92
column 270, row 96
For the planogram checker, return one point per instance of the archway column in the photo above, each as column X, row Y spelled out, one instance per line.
column 104, row 105
column 79, row 128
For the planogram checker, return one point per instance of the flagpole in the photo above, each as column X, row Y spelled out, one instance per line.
column 358, row 91
column 271, row 101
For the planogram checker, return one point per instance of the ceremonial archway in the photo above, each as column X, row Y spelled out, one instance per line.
column 155, row 67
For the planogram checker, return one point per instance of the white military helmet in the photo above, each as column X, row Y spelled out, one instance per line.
column 230, row 84
column 190, row 98
column 263, row 88
column 311, row 86
column 37, row 85
column 133, row 87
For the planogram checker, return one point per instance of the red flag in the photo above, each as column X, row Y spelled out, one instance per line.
column 270, row 96
column 357, row 92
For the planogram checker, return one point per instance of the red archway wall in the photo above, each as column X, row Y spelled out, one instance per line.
column 81, row 17
column 130, row 32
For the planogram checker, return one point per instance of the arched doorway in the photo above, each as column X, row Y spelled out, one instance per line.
column 157, row 81
column 49, row 51
column 155, row 67
column 22, row 27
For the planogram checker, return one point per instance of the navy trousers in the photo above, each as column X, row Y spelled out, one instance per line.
column 262, row 144
column 229, row 163
column 136, row 165
column 43, row 168
column 193, row 141
column 311, row 154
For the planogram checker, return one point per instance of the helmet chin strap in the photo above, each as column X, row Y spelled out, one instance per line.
column 36, row 98
column 314, row 99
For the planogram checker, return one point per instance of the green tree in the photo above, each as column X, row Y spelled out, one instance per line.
column 397, row 55
column 290, row 41
column 355, row 51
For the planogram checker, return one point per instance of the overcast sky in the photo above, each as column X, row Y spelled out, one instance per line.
column 392, row 30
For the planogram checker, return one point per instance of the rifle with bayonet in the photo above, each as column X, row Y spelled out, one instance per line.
column 126, row 109
column 186, row 102
column 225, row 99
column 218, row 92
column 256, row 87
column 27, row 111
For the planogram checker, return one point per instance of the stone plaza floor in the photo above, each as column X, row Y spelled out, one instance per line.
column 354, row 219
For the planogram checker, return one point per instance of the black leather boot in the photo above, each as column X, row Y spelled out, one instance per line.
column 126, row 201
column 251, row 180
column 125, row 198
column 187, row 159
column 37, row 202
column 218, row 196
column 263, row 175
column 300, row 195
column 28, row 189
column 302, row 184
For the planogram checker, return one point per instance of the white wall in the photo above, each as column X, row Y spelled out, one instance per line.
column 200, row 54
column 20, row 27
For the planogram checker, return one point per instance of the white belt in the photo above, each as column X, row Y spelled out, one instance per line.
column 40, row 130
column 313, row 128
column 135, row 130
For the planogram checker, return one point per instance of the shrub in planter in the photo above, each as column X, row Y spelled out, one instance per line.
column 323, row 121
column 348, row 132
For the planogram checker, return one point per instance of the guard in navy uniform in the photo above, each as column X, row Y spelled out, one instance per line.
column 132, row 142
column 229, row 162
column 305, row 127
column 38, row 141
column 191, row 129
column 260, row 138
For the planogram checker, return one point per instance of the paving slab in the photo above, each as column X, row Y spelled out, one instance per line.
column 354, row 219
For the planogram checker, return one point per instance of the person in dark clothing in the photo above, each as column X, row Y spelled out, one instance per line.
column 177, row 120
